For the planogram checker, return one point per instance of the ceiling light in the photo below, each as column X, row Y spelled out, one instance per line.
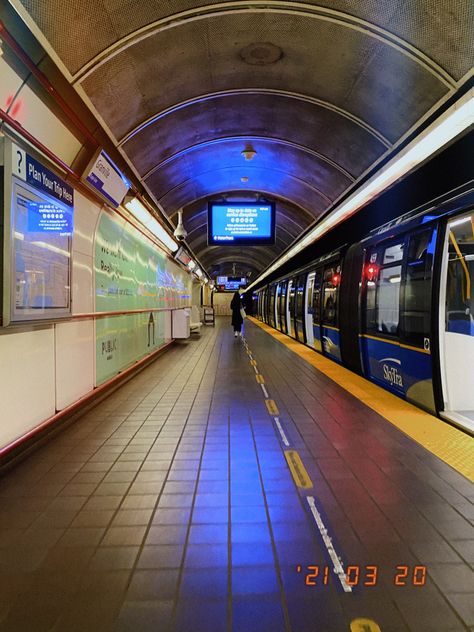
column 249, row 152
column 244, row 179
column 448, row 126
column 143, row 215
column 198, row 272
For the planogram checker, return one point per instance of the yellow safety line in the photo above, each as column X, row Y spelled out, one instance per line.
column 272, row 407
column 259, row 378
column 451, row 445
column 298, row 470
column 364, row 625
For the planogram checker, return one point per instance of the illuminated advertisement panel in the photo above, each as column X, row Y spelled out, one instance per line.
column 241, row 223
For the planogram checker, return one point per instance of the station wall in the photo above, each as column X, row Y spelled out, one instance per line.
column 46, row 367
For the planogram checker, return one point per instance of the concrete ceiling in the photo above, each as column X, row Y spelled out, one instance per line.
column 320, row 90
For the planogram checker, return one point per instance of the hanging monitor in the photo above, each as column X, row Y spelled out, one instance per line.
column 241, row 223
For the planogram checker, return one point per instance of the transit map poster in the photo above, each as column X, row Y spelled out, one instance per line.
column 131, row 273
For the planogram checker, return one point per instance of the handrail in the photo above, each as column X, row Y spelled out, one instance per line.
column 95, row 315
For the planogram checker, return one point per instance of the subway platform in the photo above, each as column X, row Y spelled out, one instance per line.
column 232, row 486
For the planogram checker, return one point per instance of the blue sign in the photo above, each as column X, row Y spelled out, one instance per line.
column 44, row 217
column 242, row 223
column 42, row 178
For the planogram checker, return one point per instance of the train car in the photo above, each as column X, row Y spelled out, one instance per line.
column 396, row 307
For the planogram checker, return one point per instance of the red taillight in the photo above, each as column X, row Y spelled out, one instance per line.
column 336, row 279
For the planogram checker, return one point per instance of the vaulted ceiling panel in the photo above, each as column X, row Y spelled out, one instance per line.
column 320, row 89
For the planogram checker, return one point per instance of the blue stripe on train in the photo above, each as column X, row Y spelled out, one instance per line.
column 405, row 372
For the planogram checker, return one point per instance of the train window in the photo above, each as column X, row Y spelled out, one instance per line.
column 271, row 306
column 388, row 300
column 317, row 298
column 393, row 254
column 291, row 300
column 383, row 293
column 460, row 278
column 310, row 297
column 282, row 299
column 300, row 296
column 416, row 313
column 330, row 295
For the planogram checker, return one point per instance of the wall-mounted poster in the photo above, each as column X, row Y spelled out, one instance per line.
column 131, row 273
column 38, row 239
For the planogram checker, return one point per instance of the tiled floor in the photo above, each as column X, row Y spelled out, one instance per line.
column 170, row 507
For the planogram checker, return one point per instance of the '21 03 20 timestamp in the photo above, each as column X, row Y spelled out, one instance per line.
column 364, row 575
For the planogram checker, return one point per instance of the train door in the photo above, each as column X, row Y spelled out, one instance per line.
column 283, row 307
column 300, row 308
column 265, row 305
column 381, row 315
column 330, row 309
column 308, row 309
column 318, row 275
column 271, row 305
column 290, row 312
column 456, row 322
column 277, row 306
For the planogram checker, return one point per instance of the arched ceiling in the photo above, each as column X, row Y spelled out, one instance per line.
column 321, row 90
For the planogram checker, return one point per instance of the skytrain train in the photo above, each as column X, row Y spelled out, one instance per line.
column 396, row 307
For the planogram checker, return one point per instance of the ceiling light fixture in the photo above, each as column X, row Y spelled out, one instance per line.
column 447, row 127
column 249, row 152
column 143, row 215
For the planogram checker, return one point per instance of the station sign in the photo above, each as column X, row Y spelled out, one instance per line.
column 103, row 175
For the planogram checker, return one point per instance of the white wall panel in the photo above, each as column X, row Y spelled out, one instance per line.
column 27, row 392
column 82, row 284
column 75, row 347
column 46, row 127
column 167, row 316
column 222, row 303
column 9, row 84
column 86, row 214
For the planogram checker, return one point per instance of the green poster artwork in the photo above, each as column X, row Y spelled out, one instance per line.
column 131, row 273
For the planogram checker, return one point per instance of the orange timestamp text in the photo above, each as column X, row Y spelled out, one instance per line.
column 356, row 575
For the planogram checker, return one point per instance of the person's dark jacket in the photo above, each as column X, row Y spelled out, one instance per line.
column 235, row 306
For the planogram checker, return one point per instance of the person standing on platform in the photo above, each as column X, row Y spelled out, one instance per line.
column 237, row 320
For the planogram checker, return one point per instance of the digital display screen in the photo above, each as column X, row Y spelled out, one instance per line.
column 230, row 283
column 241, row 223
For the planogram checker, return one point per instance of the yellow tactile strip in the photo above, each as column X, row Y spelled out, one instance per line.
column 451, row 445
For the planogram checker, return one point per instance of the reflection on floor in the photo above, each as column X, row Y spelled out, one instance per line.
column 182, row 503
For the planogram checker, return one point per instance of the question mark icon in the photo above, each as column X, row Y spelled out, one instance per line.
column 20, row 160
